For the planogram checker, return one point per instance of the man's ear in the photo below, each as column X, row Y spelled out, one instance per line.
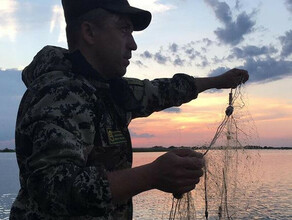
column 89, row 32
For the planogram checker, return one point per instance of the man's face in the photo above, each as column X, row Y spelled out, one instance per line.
column 113, row 47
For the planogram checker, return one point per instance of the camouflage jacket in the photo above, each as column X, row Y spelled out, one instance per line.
column 72, row 128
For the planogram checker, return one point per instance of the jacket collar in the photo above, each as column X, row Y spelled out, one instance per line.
column 82, row 67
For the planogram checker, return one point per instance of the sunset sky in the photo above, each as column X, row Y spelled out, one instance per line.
column 197, row 37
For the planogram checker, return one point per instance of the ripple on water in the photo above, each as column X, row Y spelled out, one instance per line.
column 6, row 201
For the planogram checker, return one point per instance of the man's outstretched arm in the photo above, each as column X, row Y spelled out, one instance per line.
column 146, row 97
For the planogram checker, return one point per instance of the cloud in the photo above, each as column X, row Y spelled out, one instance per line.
column 204, row 62
column 286, row 42
column 173, row 110
column 139, row 63
column 160, row 58
column 8, row 24
column 173, row 47
column 207, row 41
column 237, row 5
column 222, row 10
column 178, row 61
column 58, row 21
column 144, row 135
column 234, row 31
column 251, row 51
column 262, row 70
column 180, row 55
column 266, row 70
column 146, row 54
column 289, row 5
column 218, row 71
column 191, row 53
column 217, row 60
column 152, row 5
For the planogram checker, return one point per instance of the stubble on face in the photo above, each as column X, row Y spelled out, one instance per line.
column 114, row 46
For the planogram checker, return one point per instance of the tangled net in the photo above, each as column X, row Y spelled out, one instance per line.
column 225, row 170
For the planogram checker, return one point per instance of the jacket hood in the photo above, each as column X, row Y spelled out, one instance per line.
column 49, row 59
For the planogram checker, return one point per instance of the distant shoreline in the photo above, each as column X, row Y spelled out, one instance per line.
column 7, row 150
column 165, row 149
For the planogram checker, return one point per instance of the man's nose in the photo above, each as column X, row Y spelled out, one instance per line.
column 131, row 43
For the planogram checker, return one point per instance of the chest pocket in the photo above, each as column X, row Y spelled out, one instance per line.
column 112, row 144
column 115, row 137
column 112, row 125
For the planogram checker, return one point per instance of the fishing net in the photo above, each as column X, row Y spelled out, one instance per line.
column 227, row 172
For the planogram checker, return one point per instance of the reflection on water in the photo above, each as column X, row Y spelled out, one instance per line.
column 267, row 193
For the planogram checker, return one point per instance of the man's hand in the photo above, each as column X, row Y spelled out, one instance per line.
column 232, row 78
column 229, row 79
column 177, row 171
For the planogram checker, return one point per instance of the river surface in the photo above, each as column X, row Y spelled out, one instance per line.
column 264, row 190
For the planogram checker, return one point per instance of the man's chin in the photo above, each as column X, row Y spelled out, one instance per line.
column 123, row 71
column 120, row 73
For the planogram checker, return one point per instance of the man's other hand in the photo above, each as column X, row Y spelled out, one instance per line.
column 177, row 171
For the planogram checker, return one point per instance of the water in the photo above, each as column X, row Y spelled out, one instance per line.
column 9, row 183
column 268, row 196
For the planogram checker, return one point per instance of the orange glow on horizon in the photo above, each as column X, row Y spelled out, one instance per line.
column 198, row 120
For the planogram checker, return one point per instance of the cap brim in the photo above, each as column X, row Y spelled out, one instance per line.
column 140, row 18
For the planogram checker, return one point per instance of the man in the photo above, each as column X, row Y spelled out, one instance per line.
column 72, row 142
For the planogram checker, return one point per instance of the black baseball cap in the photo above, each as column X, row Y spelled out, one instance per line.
column 73, row 9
